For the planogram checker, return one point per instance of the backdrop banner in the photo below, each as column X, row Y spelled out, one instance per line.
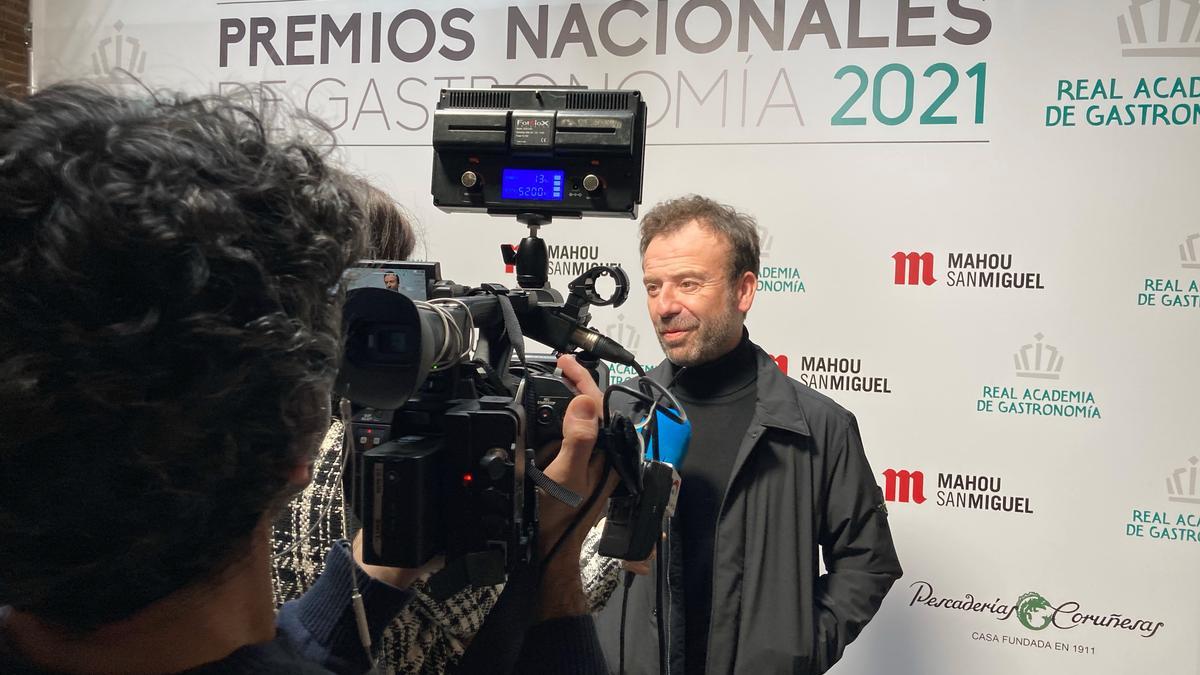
column 980, row 234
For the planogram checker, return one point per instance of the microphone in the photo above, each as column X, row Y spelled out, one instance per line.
column 602, row 346
column 674, row 434
column 636, row 519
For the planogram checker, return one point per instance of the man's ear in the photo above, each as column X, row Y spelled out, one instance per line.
column 745, row 288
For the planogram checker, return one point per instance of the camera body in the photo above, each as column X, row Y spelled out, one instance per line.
column 444, row 444
column 552, row 394
column 460, row 492
column 445, row 472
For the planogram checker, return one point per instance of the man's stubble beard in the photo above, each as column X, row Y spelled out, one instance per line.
column 709, row 340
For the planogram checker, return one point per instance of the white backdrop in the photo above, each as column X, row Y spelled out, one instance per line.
column 854, row 131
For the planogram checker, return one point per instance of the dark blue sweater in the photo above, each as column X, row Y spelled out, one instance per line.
column 317, row 634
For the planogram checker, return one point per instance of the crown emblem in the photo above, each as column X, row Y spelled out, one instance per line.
column 625, row 335
column 1167, row 28
column 1175, row 484
column 1187, row 252
column 764, row 241
column 1046, row 363
column 117, row 53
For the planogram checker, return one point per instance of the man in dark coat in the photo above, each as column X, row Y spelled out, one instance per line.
column 775, row 476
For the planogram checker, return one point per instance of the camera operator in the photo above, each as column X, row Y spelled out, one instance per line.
column 157, row 417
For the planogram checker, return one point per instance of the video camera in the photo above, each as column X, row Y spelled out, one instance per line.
column 448, row 407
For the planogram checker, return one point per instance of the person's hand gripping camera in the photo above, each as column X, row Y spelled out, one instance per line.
column 575, row 466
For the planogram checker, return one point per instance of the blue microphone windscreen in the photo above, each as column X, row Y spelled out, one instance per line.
column 673, row 440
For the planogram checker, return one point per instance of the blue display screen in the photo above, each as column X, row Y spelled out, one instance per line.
column 538, row 185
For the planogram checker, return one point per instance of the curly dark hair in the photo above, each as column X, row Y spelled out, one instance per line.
column 739, row 229
column 169, row 332
column 390, row 234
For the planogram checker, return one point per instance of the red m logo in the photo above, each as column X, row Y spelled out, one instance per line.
column 509, row 269
column 904, row 486
column 914, row 268
column 781, row 361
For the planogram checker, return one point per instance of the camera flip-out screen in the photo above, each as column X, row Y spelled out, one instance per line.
column 412, row 278
column 557, row 151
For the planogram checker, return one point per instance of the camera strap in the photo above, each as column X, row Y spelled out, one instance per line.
column 513, row 327
column 552, row 489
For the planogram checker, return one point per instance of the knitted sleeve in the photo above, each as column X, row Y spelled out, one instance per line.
column 427, row 637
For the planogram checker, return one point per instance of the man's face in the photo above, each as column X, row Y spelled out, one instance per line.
column 697, row 310
column 392, row 282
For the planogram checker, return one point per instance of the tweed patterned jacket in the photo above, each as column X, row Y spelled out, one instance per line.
column 428, row 637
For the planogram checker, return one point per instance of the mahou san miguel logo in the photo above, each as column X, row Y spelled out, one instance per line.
column 1180, row 290
column 962, row 270
column 566, row 260
column 954, row 490
column 1038, row 367
column 512, row 249
column 832, row 373
column 1175, row 517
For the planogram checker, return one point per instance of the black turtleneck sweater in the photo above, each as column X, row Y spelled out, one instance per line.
column 719, row 397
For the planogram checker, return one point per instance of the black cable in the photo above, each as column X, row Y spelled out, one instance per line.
column 669, row 412
column 660, row 582
column 629, row 576
column 661, row 563
column 641, row 396
column 660, row 577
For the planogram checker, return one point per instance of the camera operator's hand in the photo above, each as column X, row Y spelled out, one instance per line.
column 577, row 468
column 399, row 577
